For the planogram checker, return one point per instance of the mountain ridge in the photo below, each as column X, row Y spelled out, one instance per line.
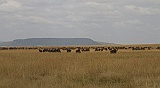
column 50, row 42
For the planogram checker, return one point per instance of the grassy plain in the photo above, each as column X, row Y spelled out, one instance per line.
column 126, row 69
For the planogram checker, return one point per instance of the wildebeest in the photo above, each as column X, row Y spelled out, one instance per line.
column 113, row 51
column 40, row 50
column 85, row 49
column 3, row 48
column 56, row 50
column 69, row 50
column 138, row 48
column 158, row 47
column 49, row 50
column 43, row 50
column 98, row 49
column 78, row 51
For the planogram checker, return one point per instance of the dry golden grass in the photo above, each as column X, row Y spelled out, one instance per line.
column 126, row 69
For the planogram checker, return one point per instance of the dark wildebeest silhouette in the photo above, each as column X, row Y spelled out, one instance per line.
column 56, row 50
column 49, row 50
column 40, row 50
column 98, row 49
column 158, row 47
column 113, row 51
column 43, row 50
column 78, row 51
column 69, row 50
column 138, row 48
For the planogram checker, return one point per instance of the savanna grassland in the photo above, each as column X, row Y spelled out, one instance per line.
column 125, row 69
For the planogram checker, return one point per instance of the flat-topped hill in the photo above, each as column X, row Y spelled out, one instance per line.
column 50, row 42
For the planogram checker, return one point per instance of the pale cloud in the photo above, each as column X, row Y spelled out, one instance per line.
column 10, row 5
column 150, row 1
column 156, row 1
column 133, row 22
column 142, row 10
column 92, row 4
column 30, row 19
column 36, row 19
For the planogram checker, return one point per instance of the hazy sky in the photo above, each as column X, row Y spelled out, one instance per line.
column 114, row 21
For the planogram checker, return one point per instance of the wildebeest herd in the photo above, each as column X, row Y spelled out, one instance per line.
column 112, row 50
column 78, row 49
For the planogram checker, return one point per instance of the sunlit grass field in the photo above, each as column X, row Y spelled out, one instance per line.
column 125, row 69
